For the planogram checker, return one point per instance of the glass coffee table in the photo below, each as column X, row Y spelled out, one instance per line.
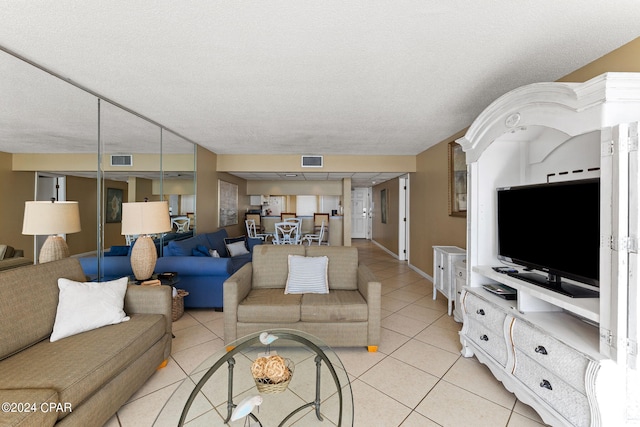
column 319, row 391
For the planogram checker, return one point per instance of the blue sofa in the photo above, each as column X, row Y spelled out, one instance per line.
column 202, row 276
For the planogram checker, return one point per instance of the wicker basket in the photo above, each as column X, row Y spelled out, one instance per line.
column 177, row 307
column 267, row 386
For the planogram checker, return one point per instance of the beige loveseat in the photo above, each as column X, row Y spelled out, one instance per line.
column 349, row 315
column 81, row 380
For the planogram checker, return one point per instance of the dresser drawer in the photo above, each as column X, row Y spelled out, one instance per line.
column 488, row 340
column 566, row 362
column 484, row 312
column 568, row 401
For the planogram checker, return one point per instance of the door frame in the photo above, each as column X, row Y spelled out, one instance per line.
column 403, row 222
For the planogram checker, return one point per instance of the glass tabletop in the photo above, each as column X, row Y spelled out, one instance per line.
column 223, row 386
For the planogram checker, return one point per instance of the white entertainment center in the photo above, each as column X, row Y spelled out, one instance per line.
column 571, row 359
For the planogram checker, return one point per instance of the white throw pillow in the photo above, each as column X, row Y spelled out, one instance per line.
column 86, row 306
column 237, row 248
column 307, row 275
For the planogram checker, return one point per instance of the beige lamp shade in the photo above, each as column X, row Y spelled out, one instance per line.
column 46, row 218
column 145, row 218
column 51, row 218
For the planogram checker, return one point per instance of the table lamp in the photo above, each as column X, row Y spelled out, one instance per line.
column 143, row 219
column 51, row 218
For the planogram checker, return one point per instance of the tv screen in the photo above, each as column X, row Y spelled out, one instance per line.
column 554, row 228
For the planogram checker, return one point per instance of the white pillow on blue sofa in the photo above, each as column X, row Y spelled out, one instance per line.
column 84, row 306
column 307, row 275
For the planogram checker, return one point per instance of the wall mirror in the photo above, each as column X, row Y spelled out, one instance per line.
column 51, row 124
column 71, row 145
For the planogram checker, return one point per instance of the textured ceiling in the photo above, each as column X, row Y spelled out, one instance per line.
column 292, row 76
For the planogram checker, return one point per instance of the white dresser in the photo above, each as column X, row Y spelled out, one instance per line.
column 444, row 280
column 549, row 359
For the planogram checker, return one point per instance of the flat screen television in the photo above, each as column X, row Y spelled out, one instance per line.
column 554, row 229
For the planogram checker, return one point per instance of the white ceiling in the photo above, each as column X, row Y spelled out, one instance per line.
column 292, row 76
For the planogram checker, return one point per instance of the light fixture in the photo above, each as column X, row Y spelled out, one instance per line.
column 143, row 219
column 51, row 218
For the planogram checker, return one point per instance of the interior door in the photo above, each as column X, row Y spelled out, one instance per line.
column 359, row 211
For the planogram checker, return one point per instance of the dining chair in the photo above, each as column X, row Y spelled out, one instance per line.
column 313, row 237
column 252, row 230
column 286, row 233
column 318, row 219
column 181, row 223
column 257, row 218
column 287, row 215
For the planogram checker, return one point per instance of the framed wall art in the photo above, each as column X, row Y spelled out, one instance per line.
column 457, row 180
column 228, row 202
column 113, row 208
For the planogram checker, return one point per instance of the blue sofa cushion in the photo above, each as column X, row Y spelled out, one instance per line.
column 200, row 250
column 185, row 247
column 216, row 241
column 118, row 251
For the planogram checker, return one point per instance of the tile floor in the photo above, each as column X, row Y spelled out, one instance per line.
column 417, row 378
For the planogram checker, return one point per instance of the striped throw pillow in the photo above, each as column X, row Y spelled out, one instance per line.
column 307, row 275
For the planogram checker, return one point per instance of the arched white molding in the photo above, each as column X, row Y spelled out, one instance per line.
column 571, row 108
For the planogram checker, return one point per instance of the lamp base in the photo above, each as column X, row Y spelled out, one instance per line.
column 143, row 258
column 53, row 249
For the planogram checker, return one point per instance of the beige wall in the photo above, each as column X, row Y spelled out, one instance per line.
column 84, row 191
column 430, row 223
column 15, row 189
column 334, row 163
column 207, row 213
column 206, row 191
column 624, row 59
column 300, row 188
column 386, row 234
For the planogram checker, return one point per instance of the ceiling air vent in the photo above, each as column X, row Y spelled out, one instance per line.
column 311, row 161
column 121, row 160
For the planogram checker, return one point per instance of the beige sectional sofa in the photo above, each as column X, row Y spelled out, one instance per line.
column 349, row 315
column 12, row 258
column 81, row 380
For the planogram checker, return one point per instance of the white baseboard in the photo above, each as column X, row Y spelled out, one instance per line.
column 384, row 249
column 420, row 272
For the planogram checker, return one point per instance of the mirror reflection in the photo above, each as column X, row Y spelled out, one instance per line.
column 178, row 184
column 60, row 141
column 46, row 125
column 129, row 164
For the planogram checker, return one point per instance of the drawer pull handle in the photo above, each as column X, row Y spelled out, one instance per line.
column 484, row 338
column 546, row 384
column 541, row 350
column 480, row 312
column 460, row 273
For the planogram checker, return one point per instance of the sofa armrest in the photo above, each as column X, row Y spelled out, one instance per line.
column 149, row 300
column 371, row 291
column 236, row 288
